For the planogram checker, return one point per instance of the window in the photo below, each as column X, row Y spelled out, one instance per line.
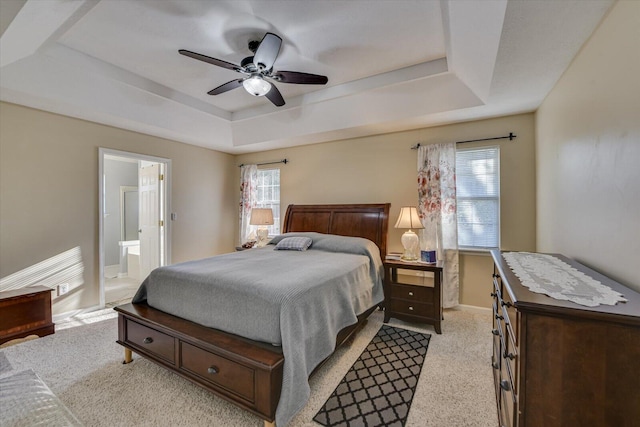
column 268, row 195
column 478, row 197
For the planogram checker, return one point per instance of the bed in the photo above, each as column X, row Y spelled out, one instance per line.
column 257, row 368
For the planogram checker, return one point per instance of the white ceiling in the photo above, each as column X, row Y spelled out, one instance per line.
column 392, row 64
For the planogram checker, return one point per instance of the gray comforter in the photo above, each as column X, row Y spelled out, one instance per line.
column 299, row 300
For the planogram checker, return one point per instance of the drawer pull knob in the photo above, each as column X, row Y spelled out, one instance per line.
column 493, row 294
column 504, row 384
column 495, row 332
column 495, row 365
column 147, row 340
column 410, row 308
column 410, row 294
column 499, row 317
column 509, row 356
column 506, row 303
column 212, row 370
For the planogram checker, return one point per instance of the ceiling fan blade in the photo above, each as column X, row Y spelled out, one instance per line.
column 226, row 87
column 267, row 51
column 210, row 60
column 275, row 96
column 300, row 78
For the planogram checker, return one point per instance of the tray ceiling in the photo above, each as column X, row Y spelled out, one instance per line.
column 391, row 65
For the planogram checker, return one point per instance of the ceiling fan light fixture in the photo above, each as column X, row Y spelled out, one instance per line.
column 256, row 86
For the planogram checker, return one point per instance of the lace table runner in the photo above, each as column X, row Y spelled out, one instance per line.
column 546, row 274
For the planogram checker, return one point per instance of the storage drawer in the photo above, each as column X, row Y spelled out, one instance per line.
column 155, row 342
column 411, row 308
column 497, row 283
column 508, row 319
column 218, row 370
column 510, row 339
column 507, row 365
column 496, row 357
column 503, row 311
column 513, row 323
column 507, row 407
column 412, row 293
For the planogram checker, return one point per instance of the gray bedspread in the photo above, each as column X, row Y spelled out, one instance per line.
column 299, row 300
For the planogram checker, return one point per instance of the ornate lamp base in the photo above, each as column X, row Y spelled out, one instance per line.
column 262, row 234
column 410, row 243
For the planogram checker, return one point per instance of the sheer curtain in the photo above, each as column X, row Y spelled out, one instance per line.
column 437, row 210
column 248, row 183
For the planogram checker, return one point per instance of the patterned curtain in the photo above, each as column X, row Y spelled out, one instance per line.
column 248, row 183
column 437, row 210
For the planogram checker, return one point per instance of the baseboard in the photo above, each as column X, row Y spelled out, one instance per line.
column 471, row 308
column 63, row 316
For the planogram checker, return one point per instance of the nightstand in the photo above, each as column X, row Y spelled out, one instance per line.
column 410, row 297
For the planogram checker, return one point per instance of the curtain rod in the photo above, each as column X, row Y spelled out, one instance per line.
column 511, row 136
column 285, row 161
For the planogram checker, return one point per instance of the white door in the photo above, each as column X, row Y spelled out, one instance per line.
column 149, row 218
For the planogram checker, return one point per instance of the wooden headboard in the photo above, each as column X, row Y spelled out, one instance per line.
column 368, row 220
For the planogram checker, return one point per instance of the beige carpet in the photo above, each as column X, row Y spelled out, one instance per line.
column 82, row 365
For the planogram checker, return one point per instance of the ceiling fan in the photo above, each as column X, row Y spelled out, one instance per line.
column 258, row 70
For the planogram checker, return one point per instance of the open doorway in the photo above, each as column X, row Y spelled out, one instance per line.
column 134, row 231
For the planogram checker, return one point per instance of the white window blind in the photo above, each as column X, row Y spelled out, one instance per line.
column 478, row 197
column 268, row 196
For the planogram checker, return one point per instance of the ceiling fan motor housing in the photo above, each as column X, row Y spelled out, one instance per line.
column 253, row 45
column 247, row 61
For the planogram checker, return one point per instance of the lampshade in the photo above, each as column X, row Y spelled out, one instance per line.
column 261, row 216
column 256, row 86
column 408, row 218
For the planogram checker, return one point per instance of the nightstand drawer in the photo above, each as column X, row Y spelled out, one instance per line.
column 411, row 308
column 412, row 293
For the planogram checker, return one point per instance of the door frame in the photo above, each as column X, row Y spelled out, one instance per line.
column 166, row 209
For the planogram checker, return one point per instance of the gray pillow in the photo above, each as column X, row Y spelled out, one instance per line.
column 294, row 244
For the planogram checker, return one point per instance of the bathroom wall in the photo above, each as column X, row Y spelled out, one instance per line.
column 117, row 173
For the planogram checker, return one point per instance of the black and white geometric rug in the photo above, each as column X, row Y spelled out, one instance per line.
column 379, row 387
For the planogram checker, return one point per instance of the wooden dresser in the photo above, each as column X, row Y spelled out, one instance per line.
column 557, row 363
column 24, row 312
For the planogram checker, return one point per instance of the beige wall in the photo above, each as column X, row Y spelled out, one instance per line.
column 588, row 152
column 49, row 194
column 382, row 168
column 584, row 182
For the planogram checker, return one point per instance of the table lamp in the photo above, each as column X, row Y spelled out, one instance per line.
column 261, row 217
column 410, row 242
